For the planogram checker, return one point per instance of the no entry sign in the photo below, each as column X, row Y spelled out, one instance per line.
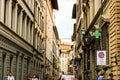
column 101, row 57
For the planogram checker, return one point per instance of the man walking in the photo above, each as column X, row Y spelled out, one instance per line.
column 10, row 76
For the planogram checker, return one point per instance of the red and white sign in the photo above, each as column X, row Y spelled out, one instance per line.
column 68, row 77
column 101, row 57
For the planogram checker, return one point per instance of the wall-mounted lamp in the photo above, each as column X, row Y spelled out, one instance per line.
column 83, row 31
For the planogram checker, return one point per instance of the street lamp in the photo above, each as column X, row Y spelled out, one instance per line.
column 83, row 31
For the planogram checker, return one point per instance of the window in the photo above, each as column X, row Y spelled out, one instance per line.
column 38, row 18
column 23, row 24
column 11, row 61
column 20, row 67
column 17, row 64
column 18, row 21
column 36, row 11
column 105, row 41
column 3, row 65
column 42, row 23
column 28, row 66
column 27, row 29
column 5, row 11
column 34, row 65
column 31, row 32
column 13, row 15
column 38, row 41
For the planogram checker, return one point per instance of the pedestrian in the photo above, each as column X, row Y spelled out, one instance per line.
column 10, row 76
column 110, row 76
column 28, row 78
column 35, row 77
column 101, row 76
column 63, row 78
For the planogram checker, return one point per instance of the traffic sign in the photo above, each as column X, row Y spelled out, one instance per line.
column 101, row 54
column 101, row 57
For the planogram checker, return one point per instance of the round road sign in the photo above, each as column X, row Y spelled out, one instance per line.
column 101, row 54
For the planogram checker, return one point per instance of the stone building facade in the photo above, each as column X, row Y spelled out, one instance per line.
column 50, row 39
column 66, row 56
column 92, row 15
column 56, row 54
column 20, row 39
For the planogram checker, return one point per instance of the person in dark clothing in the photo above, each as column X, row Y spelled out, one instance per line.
column 28, row 78
column 101, row 77
column 79, row 77
column 110, row 77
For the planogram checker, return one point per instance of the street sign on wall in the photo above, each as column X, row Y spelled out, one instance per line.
column 101, row 57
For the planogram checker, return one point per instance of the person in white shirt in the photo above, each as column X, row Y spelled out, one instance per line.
column 35, row 77
column 10, row 76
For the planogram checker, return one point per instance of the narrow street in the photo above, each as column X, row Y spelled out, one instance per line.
column 59, row 39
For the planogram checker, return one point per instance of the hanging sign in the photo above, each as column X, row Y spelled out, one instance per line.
column 101, row 57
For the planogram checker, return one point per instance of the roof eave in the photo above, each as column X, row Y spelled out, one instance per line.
column 74, row 12
column 55, row 4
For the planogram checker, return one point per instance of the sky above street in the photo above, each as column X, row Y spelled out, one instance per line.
column 63, row 19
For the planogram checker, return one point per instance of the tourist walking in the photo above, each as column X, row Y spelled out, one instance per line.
column 35, row 77
column 10, row 76
column 101, row 76
column 110, row 76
